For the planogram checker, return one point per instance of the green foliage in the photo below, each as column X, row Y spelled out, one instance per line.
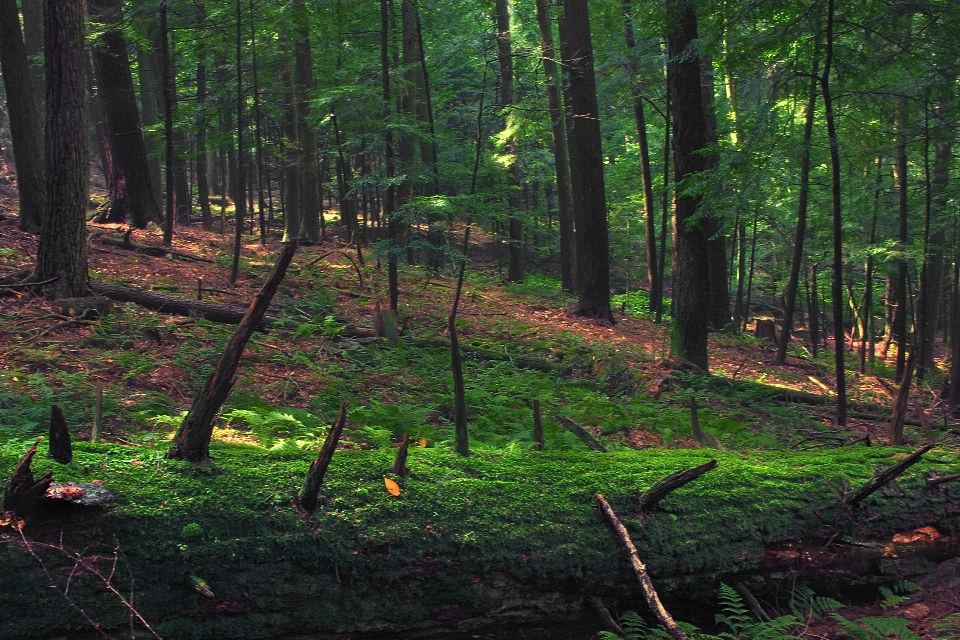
column 950, row 625
column 875, row 628
column 382, row 423
column 804, row 603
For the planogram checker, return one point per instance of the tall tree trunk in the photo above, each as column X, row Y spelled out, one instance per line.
column 131, row 193
column 790, row 296
column 666, row 201
column 24, row 128
column 868, row 338
column 169, row 97
column 261, row 203
column 33, row 20
column 901, row 301
column 837, row 288
column 147, row 70
column 203, row 186
column 558, row 131
column 515, row 269
column 240, row 203
column 589, row 196
column 389, row 198
column 62, row 250
column 291, row 154
column 931, row 274
column 691, row 273
column 719, row 293
column 309, row 180
column 428, row 148
column 646, row 179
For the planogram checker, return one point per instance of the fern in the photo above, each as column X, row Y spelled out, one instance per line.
column 890, row 599
column 736, row 616
column 874, row 628
column 950, row 626
column 805, row 603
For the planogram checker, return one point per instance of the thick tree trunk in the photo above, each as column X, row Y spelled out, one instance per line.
column 589, row 199
column 192, row 441
column 148, row 68
column 25, row 129
column 559, row 137
column 515, row 269
column 131, row 193
column 309, row 180
column 719, row 292
column 33, row 19
column 691, row 273
column 790, row 296
column 62, row 251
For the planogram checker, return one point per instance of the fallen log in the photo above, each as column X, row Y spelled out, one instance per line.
column 151, row 250
column 488, row 354
column 496, row 538
column 224, row 314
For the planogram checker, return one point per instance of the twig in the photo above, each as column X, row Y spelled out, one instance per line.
column 646, row 585
column 932, row 482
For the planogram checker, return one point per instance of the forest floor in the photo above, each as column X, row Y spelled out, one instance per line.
column 621, row 384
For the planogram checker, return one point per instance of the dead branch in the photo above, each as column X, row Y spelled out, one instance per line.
column 885, row 476
column 310, row 490
column 932, row 482
column 126, row 243
column 583, row 434
column 646, row 585
column 399, row 467
column 22, row 488
column 674, row 481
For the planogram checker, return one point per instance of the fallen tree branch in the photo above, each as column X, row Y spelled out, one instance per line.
column 885, row 476
column 646, row 585
column 932, row 482
column 22, row 488
column 310, row 491
column 674, row 481
column 583, row 434
column 150, row 250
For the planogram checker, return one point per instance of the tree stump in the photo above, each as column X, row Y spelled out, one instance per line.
column 61, row 449
column 310, row 490
column 766, row 329
column 22, row 488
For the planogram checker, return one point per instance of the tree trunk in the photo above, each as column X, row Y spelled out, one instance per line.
column 25, row 130
column 261, row 203
column 203, row 187
column 33, row 20
column 515, row 269
column 719, row 294
column 646, row 179
column 309, row 180
column 559, row 137
column 589, row 199
column 691, row 277
column 240, row 200
column 62, row 250
column 837, row 289
column 169, row 98
column 790, row 296
column 131, row 193
column 389, row 199
column 291, row 154
column 192, row 441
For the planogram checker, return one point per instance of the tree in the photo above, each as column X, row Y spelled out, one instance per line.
column 24, row 128
column 510, row 151
column 691, row 271
column 586, row 163
column 309, row 179
column 131, row 193
column 62, row 252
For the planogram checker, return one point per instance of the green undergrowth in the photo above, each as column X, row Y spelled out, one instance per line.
column 463, row 533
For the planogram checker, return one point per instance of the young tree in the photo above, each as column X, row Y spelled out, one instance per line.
column 586, row 155
column 62, row 252
column 515, row 267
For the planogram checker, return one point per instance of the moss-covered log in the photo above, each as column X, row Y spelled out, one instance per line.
column 496, row 537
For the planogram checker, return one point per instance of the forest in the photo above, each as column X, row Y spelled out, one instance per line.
column 555, row 319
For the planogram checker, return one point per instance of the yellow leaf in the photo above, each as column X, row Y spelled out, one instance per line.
column 392, row 487
column 423, row 442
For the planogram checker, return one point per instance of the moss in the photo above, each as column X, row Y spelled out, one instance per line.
column 466, row 536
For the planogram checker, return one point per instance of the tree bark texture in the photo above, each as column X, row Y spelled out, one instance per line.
column 192, row 441
column 33, row 20
column 691, row 269
column 291, row 154
column 147, row 70
column 309, row 178
column 131, row 193
column 559, row 137
column 310, row 491
column 62, row 251
column 589, row 196
column 25, row 128
column 719, row 292
column 203, row 185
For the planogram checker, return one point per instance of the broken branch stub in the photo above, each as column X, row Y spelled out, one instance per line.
column 193, row 438
column 399, row 467
column 674, row 481
column 22, row 488
column 61, row 449
column 885, row 476
column 310, row 491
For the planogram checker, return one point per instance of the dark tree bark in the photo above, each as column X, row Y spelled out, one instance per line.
column 25, row 129
column 309, row 180
column 62, row 251
column 665, row 201
column 240, row 201
column 169, row 97
column 719, row 292
column 61, row 449
column 793, row 283
column 258, row 140
column 558, row 131
column 646, row 179
column 310, row 491
column 131, row 193
column 33, row 20
column 837, row 288
column 192, row 441
column 389, row 199
column 900, row 290
column 291, row 154
column 515, row 268
column 691, row 270
column 147, row 70
column 589, row 199
column 869, row 338
column 203, row 185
